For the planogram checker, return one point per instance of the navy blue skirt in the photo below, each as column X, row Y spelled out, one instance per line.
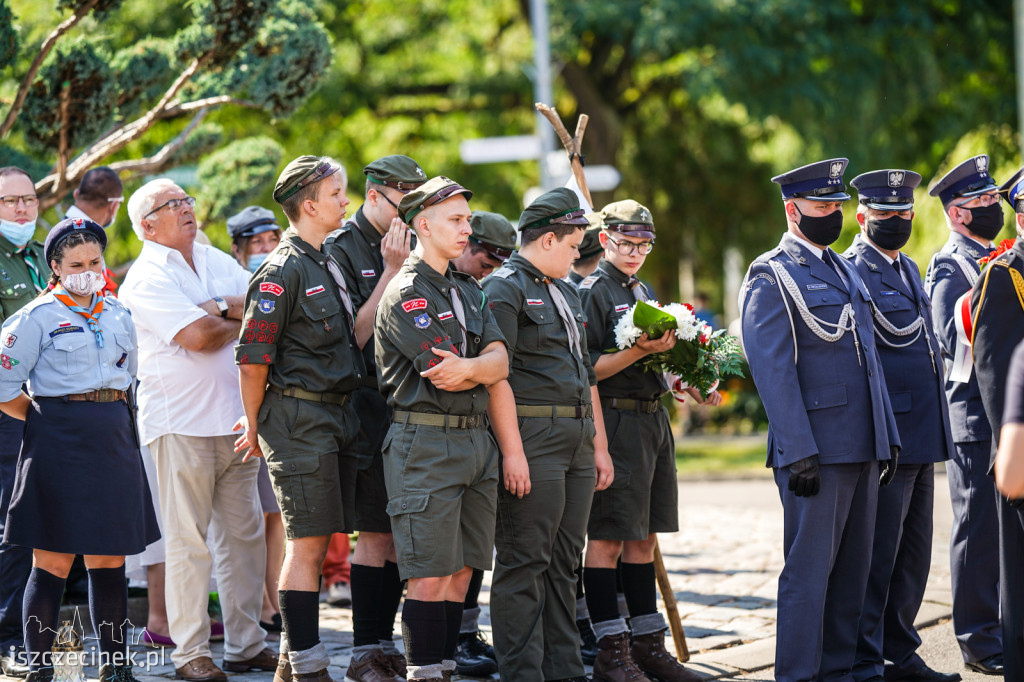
column 80, row 486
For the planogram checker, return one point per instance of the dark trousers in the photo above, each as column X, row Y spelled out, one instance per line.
column 974, row 552
column 827, row 547
column 1011, row 556
column 15, row 561
column 900, row 560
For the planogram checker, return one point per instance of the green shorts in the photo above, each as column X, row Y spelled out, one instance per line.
column 644, row 497
column 371, row 493
column 314, row 473
column 442, row 497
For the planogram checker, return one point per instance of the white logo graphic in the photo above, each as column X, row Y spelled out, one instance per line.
column 836, row 169
column 981, row 163
column 73, row 650
column 895, row 178
column 644, row 215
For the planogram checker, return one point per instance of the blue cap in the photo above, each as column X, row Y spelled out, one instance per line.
column 887, row 190
column 65, row 228
column 251, row 221
column 1013, row 191
column 820, row 181
column 969, row 179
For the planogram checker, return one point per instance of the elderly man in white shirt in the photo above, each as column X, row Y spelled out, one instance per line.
column 186, row 300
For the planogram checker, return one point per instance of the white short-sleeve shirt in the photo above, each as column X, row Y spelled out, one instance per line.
column 181, row 391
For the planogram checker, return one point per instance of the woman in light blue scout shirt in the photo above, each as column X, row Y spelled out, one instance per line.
column 80, row 487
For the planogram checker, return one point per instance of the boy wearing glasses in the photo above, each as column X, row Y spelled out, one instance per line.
column 643, row 499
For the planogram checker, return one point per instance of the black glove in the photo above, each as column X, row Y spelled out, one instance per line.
column 805, row 477
column 889, row 467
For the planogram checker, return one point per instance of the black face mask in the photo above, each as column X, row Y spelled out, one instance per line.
column 821, row 230
column 890, row 234
column 986, row 221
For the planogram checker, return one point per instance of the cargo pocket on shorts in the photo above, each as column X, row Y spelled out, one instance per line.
column 412, row 526
column 295, row 481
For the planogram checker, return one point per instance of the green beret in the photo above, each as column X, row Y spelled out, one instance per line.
column 301, row 172
column 629, row 218
column 591, row 244
column 494, row 233
column 396, row 171
column 560, row 206
column 433, row 191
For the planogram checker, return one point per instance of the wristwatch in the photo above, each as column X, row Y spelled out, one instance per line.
column 222, row 305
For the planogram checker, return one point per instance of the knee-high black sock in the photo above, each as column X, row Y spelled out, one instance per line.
column 473, row 591
column 579, row 578
column 423, row 628
column 452, row 625
column 40, row 610
column 367, row 583
column 108, row 606
column 638, row 583
column 390, row 597
column 602, row 602
column 300, row 615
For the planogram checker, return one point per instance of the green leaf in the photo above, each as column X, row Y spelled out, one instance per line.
column 652, row 320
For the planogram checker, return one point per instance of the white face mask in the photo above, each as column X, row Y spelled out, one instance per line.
column 83, row 283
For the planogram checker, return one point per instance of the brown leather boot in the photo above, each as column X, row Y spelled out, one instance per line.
column 650, row 654
column 613, row 662
column 284, row 669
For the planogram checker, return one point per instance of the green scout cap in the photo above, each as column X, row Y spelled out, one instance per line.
column 433, row 191
column 494, row 233
column 396, row 171
column 629, row 218
column 301, row 172
column 560, row 206
column 591, row 244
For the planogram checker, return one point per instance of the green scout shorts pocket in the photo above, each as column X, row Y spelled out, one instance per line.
column 295, row 481
column 412, row 526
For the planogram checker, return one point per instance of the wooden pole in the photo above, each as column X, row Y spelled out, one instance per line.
column 573, row 145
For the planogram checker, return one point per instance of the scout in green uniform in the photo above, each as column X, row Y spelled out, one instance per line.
column 438, row 351
column 298, row 366
column 371, row 248
column 23, row 275
column 492, row 242
column 590, row 250
column 643, row 499
column 550, row 458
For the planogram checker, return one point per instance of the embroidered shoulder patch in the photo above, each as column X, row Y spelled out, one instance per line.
column 535, row 301
column 446, row 315
column 266, row 306
column 422, row 321
column 622, row 307
column 588, row 281
column 369, row 273
column 7, row 362
column 315, row 290
column 414, row 304
column 9, row 340
column 761, row 275
column 271, row 288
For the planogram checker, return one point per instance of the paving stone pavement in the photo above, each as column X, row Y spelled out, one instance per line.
column 723, row 565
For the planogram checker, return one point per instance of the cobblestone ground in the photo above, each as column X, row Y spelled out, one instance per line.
column 723, row 566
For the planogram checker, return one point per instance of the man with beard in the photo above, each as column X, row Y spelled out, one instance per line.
column 805, row 312
column 969, row 199
column 902, row 549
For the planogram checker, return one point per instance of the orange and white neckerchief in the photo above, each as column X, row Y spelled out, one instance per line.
column 92, row 317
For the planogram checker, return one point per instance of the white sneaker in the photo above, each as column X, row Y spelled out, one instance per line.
column 339, row 594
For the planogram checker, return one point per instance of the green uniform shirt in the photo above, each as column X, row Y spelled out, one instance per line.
column 18, row 284
column 295, row 322
column 606, row 297
column 415, row 314
column 542, row 369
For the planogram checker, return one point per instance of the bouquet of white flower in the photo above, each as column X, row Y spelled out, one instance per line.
column 701, row 355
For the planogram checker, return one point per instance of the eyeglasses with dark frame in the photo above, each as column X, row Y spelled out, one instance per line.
column 994, row 195
column 625, row 248
column 174, row 204
column 11, row 200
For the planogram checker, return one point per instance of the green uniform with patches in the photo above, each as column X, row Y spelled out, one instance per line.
column 440, row 463
column 643, row 498
column 357, row 249
column 296, row 323
column 540, row 537
column 19, row 283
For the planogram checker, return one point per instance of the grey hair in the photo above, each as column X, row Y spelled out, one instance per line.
column 143, row 201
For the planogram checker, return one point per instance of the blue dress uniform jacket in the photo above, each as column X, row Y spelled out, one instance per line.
column 945, row 282
column 839, row 384
column 913, row 374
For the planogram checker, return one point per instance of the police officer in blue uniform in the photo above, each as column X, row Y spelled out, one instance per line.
column 998, row 316
column 911, row 362
column 806, row 320
column 970, row 203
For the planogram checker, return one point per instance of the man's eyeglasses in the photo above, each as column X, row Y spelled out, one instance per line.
column 11, row 201
column 625, row 248
column 986, row 199
column 174, row 205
